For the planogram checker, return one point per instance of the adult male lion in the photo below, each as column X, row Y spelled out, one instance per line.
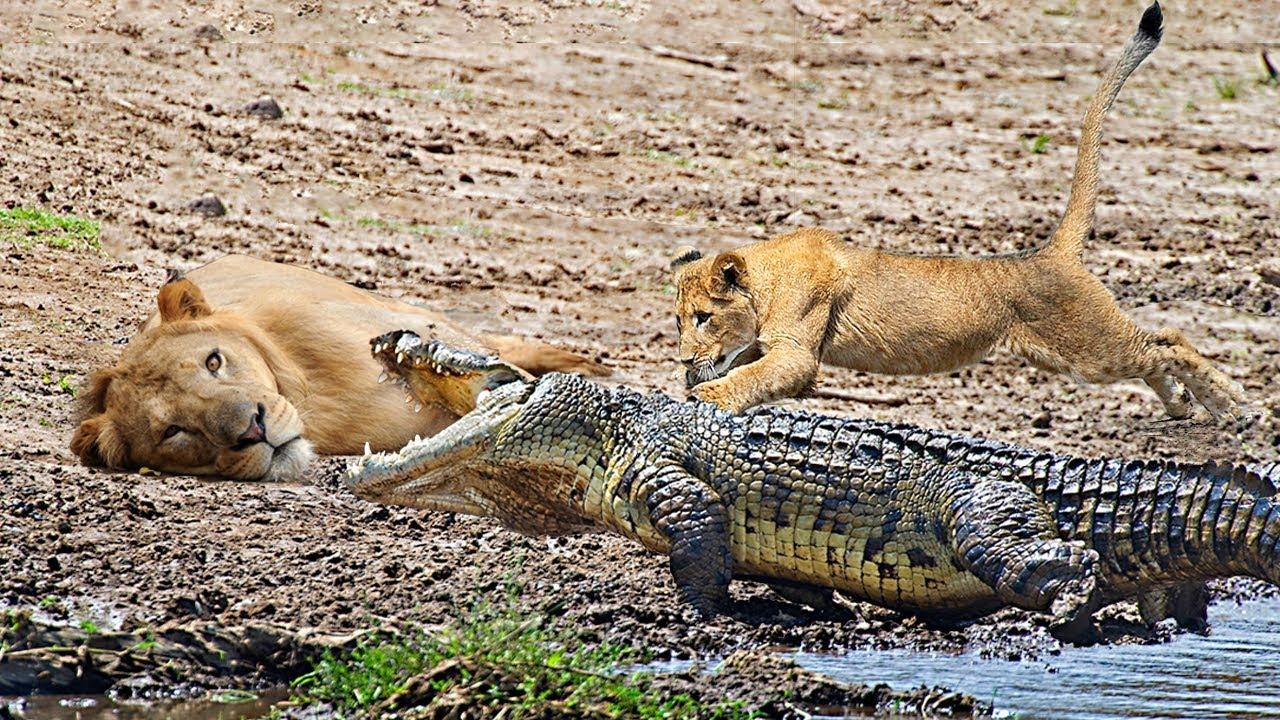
column 776, row 309
column 248, row 365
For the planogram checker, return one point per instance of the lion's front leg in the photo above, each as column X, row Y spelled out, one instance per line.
column 785, row 370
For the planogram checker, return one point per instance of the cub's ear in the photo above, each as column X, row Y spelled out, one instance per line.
column 182, row 300
column 730, row 272
column 98, row 444
column 684, row 256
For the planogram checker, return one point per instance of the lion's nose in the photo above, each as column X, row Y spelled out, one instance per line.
column 257, row 431
column 688, row 361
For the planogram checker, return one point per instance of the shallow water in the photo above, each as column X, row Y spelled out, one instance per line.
column 1234, row 672
column 218, row 706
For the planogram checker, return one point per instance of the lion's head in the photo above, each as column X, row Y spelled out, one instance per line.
column 715, row 314
column 203, row 393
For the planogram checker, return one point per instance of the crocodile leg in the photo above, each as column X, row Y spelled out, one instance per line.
column 1186, row 603
column 1005, row 536
column 690, row 516
column 820, row 599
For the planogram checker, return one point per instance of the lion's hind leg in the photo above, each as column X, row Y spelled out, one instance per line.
column 1106, row 347
column 1174, row 395
column 1219, row 394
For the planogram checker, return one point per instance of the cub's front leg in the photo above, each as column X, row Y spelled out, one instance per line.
column 786, row 369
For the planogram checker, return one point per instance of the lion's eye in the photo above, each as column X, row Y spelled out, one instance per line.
column 171, row 431
column 213, row 362
column 701, row 318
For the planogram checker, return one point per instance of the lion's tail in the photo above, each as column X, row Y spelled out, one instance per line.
column 1078, row 219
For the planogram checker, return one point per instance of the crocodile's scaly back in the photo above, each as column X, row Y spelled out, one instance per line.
column 908, row 518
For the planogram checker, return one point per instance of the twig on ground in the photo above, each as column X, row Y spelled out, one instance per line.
column 832, row 394
column 718, row 62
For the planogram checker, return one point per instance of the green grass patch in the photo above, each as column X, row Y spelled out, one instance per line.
column 25, row 227
column 1226, row 89
column 668, row 157
column 502, row 660
column 1039, row 144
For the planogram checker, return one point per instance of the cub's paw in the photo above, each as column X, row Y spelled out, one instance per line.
column 721, row 393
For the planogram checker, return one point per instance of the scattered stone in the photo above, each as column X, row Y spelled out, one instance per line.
column 1270, row 274
column 208, row 32
column 438, row 146
column 1042, row 421
column 265, row 107
column 207, row 205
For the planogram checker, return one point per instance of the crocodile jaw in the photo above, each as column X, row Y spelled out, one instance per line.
column 442, row 472
column 436, row 374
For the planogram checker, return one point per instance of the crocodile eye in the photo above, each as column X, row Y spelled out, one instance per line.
column 701, row 318
column 213, row 362
column 171, row 431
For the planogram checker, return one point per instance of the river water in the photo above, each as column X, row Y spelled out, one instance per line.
column 1234, row 672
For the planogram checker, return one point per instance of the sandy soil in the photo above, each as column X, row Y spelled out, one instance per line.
column 541, row 188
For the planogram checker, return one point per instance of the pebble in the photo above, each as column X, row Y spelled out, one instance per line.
column 265, row 107
column 207, row 205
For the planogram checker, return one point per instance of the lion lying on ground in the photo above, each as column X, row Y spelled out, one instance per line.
column 755, row 323
column 247, row 366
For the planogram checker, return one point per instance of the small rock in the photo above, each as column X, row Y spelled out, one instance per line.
column 207, row 205
column 1042, row 421
column 438, row 146
column 265, row 107
column 208, row 32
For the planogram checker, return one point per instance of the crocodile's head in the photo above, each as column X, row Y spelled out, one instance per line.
column 436, row 374
column 503, row 442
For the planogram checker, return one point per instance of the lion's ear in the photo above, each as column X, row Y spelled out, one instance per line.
column 730, row 272
column 684, row 256
column 182, row 300
column 91, row 398
column 98, row 444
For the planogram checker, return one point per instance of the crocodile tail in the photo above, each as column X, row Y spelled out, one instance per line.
column 1157, row 522
column 1076, row 223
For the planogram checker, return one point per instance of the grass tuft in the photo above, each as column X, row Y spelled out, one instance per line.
column 496, row 660
column 1040, row 144
column 1226, row 89
column 25, row 227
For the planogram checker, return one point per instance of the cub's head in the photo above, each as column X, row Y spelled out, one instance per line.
column 715, row 314
column 201, row 393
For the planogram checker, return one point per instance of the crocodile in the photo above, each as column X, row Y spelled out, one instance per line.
column 921, row 521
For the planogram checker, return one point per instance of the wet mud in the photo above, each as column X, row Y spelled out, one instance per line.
column 541, row 189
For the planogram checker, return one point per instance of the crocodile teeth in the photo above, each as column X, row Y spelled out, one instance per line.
column 417, row 407
column 367, row 450
column 382, row 377
column 400, row 356
column 417, row 438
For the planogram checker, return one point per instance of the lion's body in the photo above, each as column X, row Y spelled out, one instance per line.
column 755, row 323
column 295, row 344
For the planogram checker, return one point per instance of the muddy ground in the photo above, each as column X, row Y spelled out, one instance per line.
column 541, row 188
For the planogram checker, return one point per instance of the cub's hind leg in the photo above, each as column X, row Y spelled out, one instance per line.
column 1089, row 338
column 1171, row 351
column 1174, row 395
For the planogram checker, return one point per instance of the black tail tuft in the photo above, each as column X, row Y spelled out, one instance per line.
column 1152, row 24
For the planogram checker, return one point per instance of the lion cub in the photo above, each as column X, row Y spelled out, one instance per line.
column 755, row 323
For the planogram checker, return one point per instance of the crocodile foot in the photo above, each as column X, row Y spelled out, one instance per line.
column 1073, row 610
column 824, row 601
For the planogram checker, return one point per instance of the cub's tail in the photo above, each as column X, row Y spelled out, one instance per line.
column 1078, row 219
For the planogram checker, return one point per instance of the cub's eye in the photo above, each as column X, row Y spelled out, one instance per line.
column 171, row 431
column 701, row 318
column 213, row 362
